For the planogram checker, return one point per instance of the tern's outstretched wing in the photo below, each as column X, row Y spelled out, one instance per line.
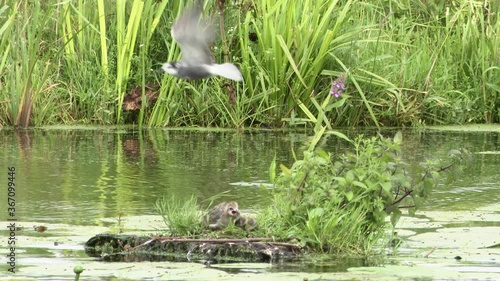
column 193, row 35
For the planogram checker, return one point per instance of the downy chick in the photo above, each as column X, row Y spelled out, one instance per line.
column 221, row 215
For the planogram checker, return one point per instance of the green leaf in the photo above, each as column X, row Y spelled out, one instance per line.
column 386, row 186
column 289, row 56
column 398, row 138
column 493, row 87
column 306, row 111
column 341, row 180
column 316, row 212
column 340, row 135
column 359, row 184
column 316, row 138
column 497, row 245
column 349, row 195
column 272, row 169
column 411, row 212
column 349, row 176
column 323, row 154
column 336, row 104
column 395, row 216
column 285, row 170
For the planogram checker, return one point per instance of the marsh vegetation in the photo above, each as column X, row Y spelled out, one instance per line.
column 407, row 63
column 333, row 204
column 119, row 174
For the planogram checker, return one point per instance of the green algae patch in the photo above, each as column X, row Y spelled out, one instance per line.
column 430, row 251
column 446, row 244
column 467, row 128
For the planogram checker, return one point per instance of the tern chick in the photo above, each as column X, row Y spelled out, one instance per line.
column 194, row 35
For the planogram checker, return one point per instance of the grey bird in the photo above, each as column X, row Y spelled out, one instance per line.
column 194, row 35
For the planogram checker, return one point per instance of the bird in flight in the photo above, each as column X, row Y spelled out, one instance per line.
column 194, row 36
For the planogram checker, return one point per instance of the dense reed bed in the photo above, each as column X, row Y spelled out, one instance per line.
column 405, row 63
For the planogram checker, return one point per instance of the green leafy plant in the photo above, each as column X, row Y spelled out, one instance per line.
column 340, row 204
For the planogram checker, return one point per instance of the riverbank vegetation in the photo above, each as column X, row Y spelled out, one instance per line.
column 408, row 63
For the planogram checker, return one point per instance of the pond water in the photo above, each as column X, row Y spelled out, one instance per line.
column 74, row 180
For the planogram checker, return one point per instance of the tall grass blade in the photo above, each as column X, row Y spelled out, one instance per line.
column 102, row 36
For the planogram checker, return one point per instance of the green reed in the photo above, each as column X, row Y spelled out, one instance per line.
column 150, row 19
column 215, row 102
column 6, row 49
column 102, row 35
column 427, row 64
column 125, row 44
column 294, row 40
column 408, row 64
column 25, row 62
column 86, row 92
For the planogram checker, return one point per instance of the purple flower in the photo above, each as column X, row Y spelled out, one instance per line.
column 338, row 86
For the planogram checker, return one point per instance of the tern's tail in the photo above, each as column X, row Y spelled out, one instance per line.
column 226, row 70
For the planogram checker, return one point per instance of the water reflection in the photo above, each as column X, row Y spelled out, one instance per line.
column 71, row 175
column 473, row 187
column 341, row 264
column 78, row 177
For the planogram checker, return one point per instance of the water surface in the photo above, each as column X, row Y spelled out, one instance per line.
column 83, row 177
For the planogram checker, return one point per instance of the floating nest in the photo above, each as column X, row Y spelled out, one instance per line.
column 111, row 247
